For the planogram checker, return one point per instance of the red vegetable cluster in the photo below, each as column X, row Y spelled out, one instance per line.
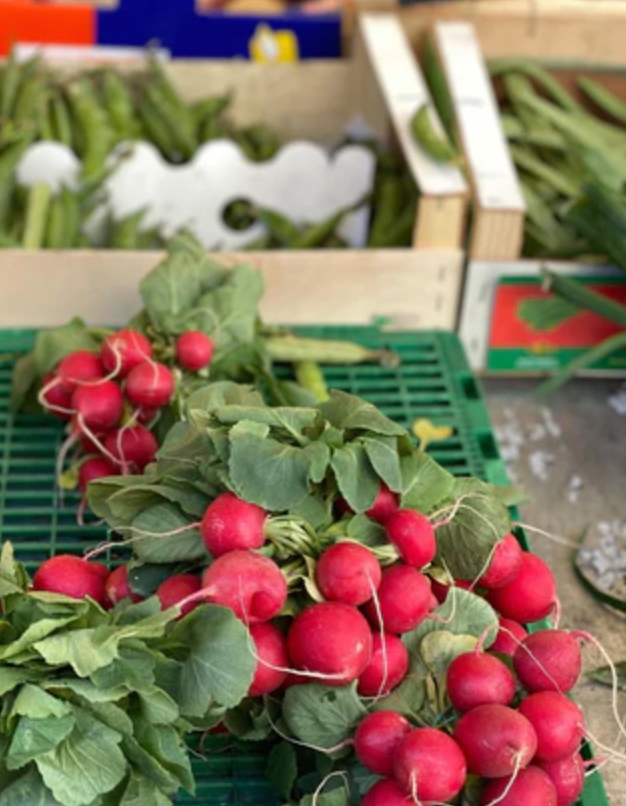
column 114, row 396
column 512, row 725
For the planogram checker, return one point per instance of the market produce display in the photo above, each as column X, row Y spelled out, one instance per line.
column 294, row 572
column 121, row 390
column 95, row 111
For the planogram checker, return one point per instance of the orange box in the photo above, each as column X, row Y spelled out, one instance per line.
column 46, row 23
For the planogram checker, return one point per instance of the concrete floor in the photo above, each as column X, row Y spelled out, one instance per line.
column 568, row 451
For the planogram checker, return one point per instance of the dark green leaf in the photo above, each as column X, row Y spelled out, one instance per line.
column 53, row 345
column 336, row 797
column 440, row 648
column 249, row 721
column 425, row 484
column 408, row 698
column 465, row 544
column 25, row 378
column 13, row 577
column 84, row 765
column 157, row 707
column 219, row 665
column 362, row 778
column 228, row 313
column 281, row 770
column 322, row 716
column 289, row 421
column 145, row 578
column 346, row 411
column 356, row 478
column 383, row 454
column 33, row 737
column 166, row 746
column 221, row 393
column 29, row 790
column 11, row 678
column 35, row 703
column 79, row 649
column 141, row 792
column 171, row 290
column 366, row 531
column 266, row 472
column 34, row 633
column 152, row 539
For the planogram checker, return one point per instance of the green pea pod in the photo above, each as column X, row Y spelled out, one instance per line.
column 70, row 205
column 436, row 145
column 279, row 227
column 567, row 184
column 540, row 76
column 260, row 244
column 55, row 237
column 206, row 116
column 438, row 86
column 263, row 143
column 28, row 105
column 125, row 231
column 388, row 202
column 120, row 106
column 93, row 124
column 177, row 114
column 9, row 159
column 309, row 375
column 316, row 235
column 37, row 207
column 295, row 349
column 155, row 129
column 10, row 85
column 60, row 119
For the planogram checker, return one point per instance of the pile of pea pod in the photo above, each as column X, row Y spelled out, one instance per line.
column 98, row 109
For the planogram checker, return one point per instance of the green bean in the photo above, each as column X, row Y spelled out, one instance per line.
column 37, row 207
column 156, row 130
column 166, row 99
column 206, row 116
column 262, row 142
column 9, row 159
column 603, row 99
column 316, row 234
column 439, row 90
column 28, row 105
column 70, row 205
column 541, row 77
column 211, row 129
column 566, row 184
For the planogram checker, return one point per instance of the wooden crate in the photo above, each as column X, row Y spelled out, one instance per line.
column 408, row 288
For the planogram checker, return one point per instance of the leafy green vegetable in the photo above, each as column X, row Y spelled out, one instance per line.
column 322, row 716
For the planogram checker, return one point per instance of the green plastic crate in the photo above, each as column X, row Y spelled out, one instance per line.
column 433, row 380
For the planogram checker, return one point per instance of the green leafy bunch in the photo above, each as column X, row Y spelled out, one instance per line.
column 95, row 704
column 295, row 463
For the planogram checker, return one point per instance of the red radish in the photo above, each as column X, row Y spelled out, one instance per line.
column 99, row 407
column 132, row 446
column 530, row 787
column 385, row 504
column 508, row 638
column 251, row 585
column 376, row 739
column 386, row 793
column 71, row 576
column 150, row 384
column 116, row 587
column 413, row 536
column 94, row 469
column 230, row 524
column 54, row 398
column 194, row 350
column 496, row 740
column 347, row 572
column 429, row 765
column 530, row 596
column 385, row 670
column 122, row 351
column 557, row 721
column 568, row 776
column 331, row 639
column 476, row 678
column 78, row 368
column 177, row 588
column 146, row 416
column 505, row 564
column 548, row 660
column 86, row 441
column 403, row 598
column 271, row 649
column 440, row 591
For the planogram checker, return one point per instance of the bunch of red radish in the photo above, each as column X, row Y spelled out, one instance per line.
column 517, row 730
column 113, row 397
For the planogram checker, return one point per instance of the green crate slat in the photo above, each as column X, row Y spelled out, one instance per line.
column 433, row 380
